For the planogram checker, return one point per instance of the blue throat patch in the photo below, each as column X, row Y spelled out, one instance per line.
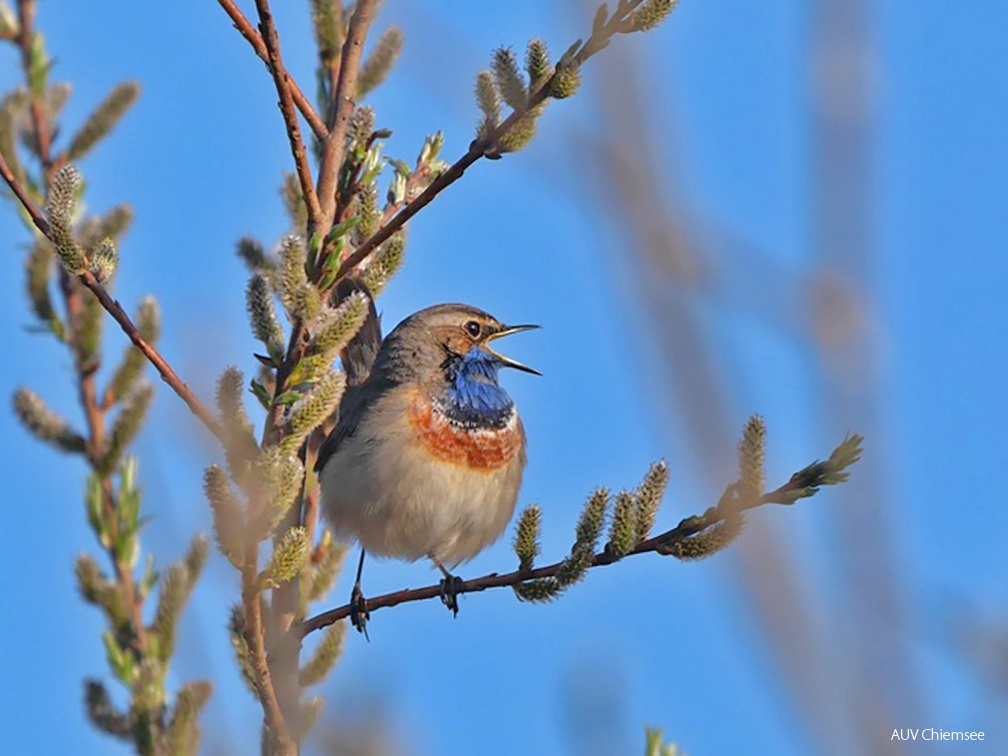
column 473, row 398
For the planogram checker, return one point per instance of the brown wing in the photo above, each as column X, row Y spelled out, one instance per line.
column 359, row 355
column 357, row 359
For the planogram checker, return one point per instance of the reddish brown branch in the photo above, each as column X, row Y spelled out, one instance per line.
column 661, row 544
column 342, row 108
column 477, row 149
column 245, row 28
column 168, row 375
column 26, row 202
column 255, row 637
column 283, row 86
column 328, row 172
column 40, row 124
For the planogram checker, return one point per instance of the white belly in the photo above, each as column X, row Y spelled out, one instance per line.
column 400, row 500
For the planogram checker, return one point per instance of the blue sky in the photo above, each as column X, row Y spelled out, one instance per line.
column 646, row 642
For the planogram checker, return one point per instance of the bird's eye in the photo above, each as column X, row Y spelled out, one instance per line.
column 473, row 328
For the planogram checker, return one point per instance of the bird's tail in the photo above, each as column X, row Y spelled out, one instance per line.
column 359, row 355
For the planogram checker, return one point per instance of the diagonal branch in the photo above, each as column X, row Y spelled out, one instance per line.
column 343, row 105
column 801, row 485
column 245, row 28
column 168, row 375
column 37, row 218
column 477, row 149
column 578, row 54
column 283, row 85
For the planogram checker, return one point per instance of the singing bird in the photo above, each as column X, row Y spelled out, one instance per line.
column 427, row 457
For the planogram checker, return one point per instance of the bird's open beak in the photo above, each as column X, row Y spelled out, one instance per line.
column 507, row 361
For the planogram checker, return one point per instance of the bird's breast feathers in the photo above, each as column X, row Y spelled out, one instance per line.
column 477, row 448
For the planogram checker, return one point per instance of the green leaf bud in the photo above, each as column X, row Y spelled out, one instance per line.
column 45, row 424
column 104, row 260
column 510, row 82
column 623, row 527
column 325, row 656
column 103, row 119
column 537, row 63
column 262, row 316
column 126, row 426
column 650, row 15
column 228, row 514
column 526, row 540
column 289, row 558
column 61, row 206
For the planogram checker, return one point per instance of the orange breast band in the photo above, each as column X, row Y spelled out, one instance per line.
column 480, row 449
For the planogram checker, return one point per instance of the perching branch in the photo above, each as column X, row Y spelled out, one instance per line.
column 802, row 484
column 245, row 28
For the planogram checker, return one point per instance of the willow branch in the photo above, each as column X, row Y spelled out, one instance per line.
column 283, row 86
column 168, row 375
column 37, row 218
column 255, row 637
column 480, row 147
column 660, row 544
column 40, row 124
column 165, row 370
column 477, row 149
column 343, row 105
column 245, row 28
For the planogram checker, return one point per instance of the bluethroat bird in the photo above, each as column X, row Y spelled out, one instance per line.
column 427, row 456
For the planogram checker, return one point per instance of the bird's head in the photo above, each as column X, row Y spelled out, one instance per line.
column 449, row 346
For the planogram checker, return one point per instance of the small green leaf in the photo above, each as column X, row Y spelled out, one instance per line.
column 259, row 392
column 120, row 660
column 288, row 397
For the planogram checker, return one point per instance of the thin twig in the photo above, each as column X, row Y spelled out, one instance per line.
column 283, row 86
column 658, row 544
column 26, row 16
column 342, row 109
column 26, row 202
column 245, row 28
column 477, row 149
column 168, row 375
column 480, row 147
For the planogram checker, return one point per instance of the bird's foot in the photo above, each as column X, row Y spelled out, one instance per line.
column 359, row 615
column 451, row 586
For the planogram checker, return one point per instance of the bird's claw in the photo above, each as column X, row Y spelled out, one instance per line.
column 451, row 586
column 359, row 615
